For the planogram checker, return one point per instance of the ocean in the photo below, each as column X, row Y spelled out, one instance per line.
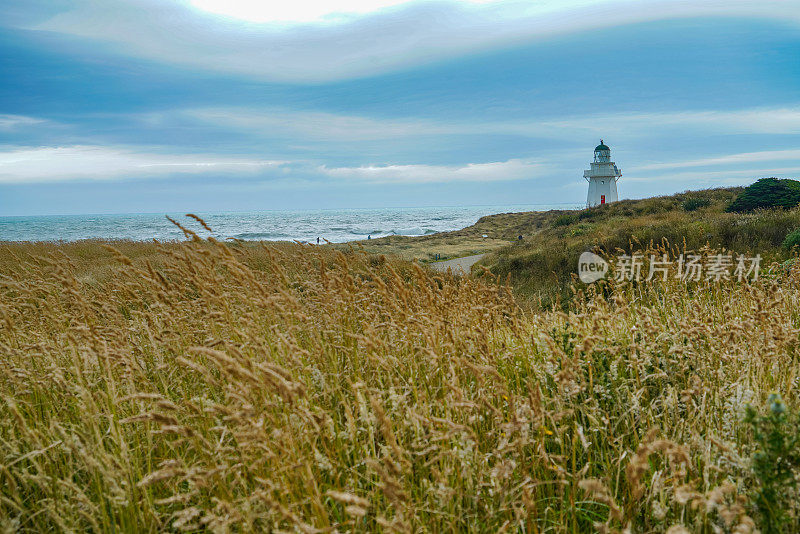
column 337, row 226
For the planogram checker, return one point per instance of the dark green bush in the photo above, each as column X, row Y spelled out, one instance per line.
column 565, row 219
column 691, row 204
column 792, row 240
column 767, row 193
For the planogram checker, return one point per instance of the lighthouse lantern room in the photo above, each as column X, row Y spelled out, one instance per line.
column 602, row 177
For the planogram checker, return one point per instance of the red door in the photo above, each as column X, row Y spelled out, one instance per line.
column 602, row 199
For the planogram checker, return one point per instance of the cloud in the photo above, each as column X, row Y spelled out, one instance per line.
column 324, row 126
column 783, row 120
column 743, row 158
column 752, row 121
column 323, row 11
column 104, row 159
column 400, row 37
column 9, row 122
column 721, row 178
column 58, row 164
column 49, row 164
column 514, row 169
column 320, row 126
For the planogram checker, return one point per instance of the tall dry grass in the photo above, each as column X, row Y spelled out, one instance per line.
column 205, row 386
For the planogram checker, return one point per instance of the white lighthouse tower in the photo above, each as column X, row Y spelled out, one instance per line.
column 602, row 177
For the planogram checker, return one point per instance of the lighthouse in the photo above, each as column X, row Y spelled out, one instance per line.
column 602, row 177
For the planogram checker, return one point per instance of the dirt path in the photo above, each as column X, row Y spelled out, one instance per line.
column 458, row 265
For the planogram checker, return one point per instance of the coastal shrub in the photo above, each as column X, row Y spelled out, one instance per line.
column 579, row 229
column 792, row 239
column 565, row 219
column 767, row 193
column 775, row 464
column 694, row 203
column 653, row 205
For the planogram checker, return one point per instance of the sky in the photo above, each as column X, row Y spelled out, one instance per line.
column 124, row 106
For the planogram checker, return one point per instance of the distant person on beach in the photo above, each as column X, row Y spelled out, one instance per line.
column 317, row 241
column 369, row 236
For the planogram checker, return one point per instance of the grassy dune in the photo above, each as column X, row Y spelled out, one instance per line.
column 503, row 229
column 235, row 388
column 542, row 265
column 542, row 268
column 500, row 230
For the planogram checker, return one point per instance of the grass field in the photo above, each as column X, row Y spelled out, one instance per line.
column 541, row 266
column 237, row 387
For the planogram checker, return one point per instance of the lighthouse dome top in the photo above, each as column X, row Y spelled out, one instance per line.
column 601, row 146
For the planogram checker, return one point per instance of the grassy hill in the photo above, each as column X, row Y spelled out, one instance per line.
column 500, row 230
column 542, row 266
column 503, row 229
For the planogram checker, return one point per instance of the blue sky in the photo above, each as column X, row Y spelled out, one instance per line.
column 111, row 106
